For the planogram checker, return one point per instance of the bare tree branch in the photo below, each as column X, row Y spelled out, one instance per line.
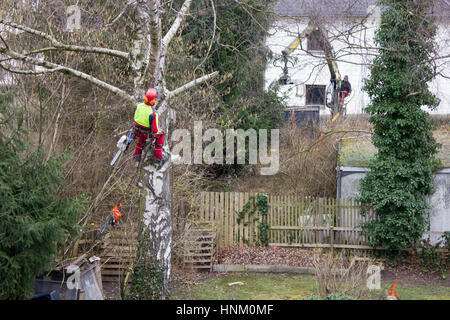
column 191, row 84
column 4, row 42
column 242, row 5
column 70, row 71
column 212, row 39
column 176, row 24
column 57, row 45
column 30, row 72
column 129, row 3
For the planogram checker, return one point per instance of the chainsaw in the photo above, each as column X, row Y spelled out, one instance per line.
column 123, row 144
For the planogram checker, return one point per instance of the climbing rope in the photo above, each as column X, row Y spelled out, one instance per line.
column 146, row 148
column 132, row 182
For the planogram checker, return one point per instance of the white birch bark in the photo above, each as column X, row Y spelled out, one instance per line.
column 156, row 181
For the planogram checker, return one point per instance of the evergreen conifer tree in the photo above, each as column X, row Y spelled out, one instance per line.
column 33, row 219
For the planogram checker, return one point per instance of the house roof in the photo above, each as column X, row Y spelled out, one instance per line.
column 299, row 8
column 341, row 8
column 358, row 152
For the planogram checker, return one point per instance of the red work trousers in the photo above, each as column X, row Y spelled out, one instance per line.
column 343, row 95
column 159, row 142
column 142, row 134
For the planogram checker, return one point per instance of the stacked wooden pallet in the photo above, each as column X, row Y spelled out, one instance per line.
column 200, row 247
column 118, row 252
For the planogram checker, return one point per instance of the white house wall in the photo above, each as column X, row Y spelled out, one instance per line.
column 441, row 85
column 309, row 70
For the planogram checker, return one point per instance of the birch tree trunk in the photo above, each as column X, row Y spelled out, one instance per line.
column 157, row 216
column 145, row 60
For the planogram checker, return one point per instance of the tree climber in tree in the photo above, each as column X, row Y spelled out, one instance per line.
column 146, row 126
column 345, row 90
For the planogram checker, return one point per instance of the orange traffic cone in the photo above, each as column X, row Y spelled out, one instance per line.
column 392, row 294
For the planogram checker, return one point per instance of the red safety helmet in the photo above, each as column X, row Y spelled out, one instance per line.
column 150, row 96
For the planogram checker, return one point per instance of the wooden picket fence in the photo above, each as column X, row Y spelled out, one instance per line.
column 294, row 221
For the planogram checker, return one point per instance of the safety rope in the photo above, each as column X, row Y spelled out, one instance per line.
column 146, row 148
column 133, row 181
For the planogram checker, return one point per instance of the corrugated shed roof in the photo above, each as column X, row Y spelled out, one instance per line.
column 340, row 8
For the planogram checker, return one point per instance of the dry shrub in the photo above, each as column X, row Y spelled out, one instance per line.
column 339, row 275
column 308, row 158
column 307, row 163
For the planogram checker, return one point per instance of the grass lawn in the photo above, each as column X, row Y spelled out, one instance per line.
column 421, row 292
column 284, row 287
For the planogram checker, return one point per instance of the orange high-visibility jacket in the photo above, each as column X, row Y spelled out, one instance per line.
column 116, row 212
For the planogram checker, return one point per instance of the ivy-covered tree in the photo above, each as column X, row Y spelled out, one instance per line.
column 401, row 174
column 33, row 219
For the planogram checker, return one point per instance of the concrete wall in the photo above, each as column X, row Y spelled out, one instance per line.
column 439, row 201
column 440, row 205
column 350, row 179
column 311, row 68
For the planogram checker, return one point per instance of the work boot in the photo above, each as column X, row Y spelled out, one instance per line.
column 160, row 162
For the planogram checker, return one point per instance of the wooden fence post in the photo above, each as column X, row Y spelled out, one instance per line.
column 294, row 221
column 331, row 237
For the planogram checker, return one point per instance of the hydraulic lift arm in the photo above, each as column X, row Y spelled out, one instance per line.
column 336, row 78
column 290, row 48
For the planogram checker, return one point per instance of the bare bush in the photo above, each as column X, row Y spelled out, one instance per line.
column 340, row 275
column 308, row 159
